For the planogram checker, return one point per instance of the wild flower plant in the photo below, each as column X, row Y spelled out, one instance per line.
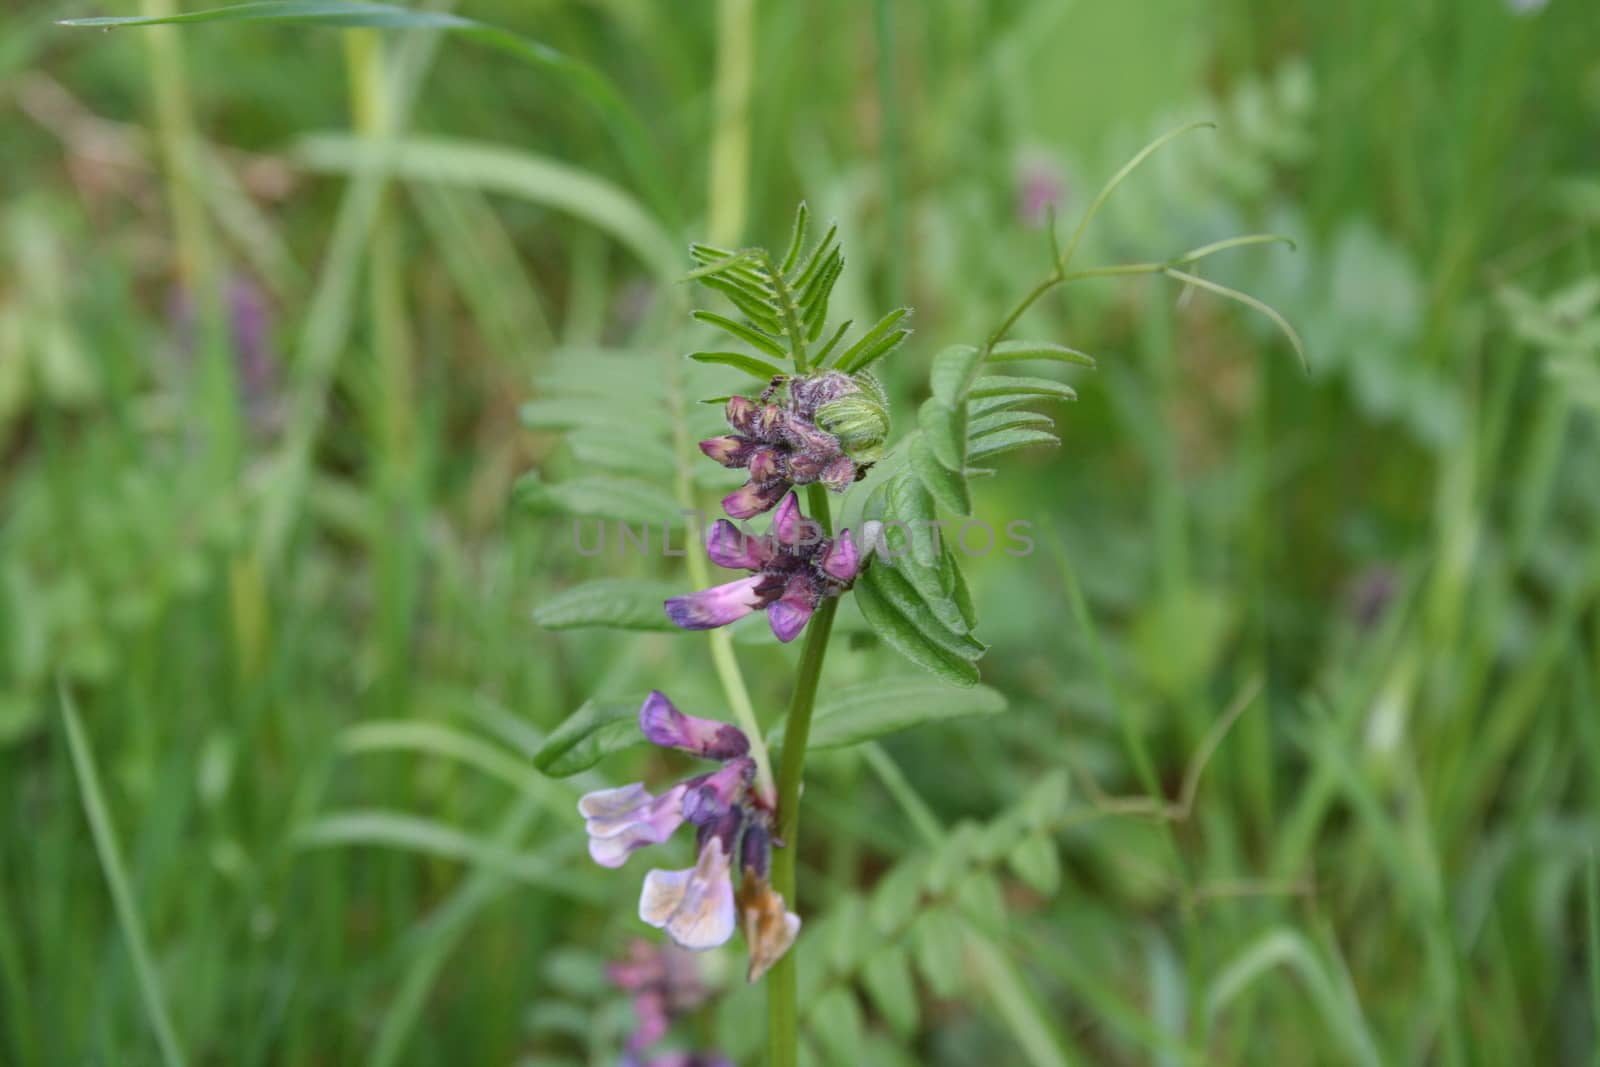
column 820, row 424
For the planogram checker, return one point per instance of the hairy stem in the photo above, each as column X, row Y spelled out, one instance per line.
column 782, row 1000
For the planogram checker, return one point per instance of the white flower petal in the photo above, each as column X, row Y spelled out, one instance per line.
column 603, row 803
column 663, row 892
column 694, row 906
column 705, row 917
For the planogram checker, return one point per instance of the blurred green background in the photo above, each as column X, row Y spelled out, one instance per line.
column 258, row 521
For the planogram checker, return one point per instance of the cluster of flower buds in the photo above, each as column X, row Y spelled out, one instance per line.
column 665, row 983
column 831, row 427
column 794, row 569
column 697, row 906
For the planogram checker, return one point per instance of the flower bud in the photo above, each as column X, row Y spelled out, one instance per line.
column 730, row 450
column 764, row 464
column 859, row 420
column 740, row 413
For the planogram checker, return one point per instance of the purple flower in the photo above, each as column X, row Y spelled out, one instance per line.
column 628, row 818
column 1040, row 188
column 695, row 905
column 666, row 970
column 678, row 1059
column 782, row 446
column 250, row 324
column 712, row 796
column 665, row 983
column 796, row 568
column 668, row 727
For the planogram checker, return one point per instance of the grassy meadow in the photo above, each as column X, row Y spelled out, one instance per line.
column 1301, row 674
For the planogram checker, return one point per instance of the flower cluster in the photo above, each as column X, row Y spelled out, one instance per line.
column 794, row 569
column 665, row 983
column 697, row 906
column 782, row 445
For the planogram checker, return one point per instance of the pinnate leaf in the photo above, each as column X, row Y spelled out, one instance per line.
column 1013, row 351
column 754, row 366
column 1007, row 386
column 906, row 637
column 948, row 487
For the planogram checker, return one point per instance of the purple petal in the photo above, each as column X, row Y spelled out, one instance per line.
column 787, row 522
column 741, row 412
column 752, row 499
column 621, row 821
column 606, row 803
column 838, row 475
column 789, row 614
column 841, row 560
column 729, row 546
column 712, row 795
column 650, row 1020
column 668, row 727
column 768, row 422
column 806, row 467
column 724, row 827
column 717, row 606
column 764, row 464
column 788, row 619
column 730, row 450
column 755, row 851
column 805, row 436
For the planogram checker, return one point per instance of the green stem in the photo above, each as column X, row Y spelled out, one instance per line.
column 730, row 150
column 782, row 991
column 395, row 471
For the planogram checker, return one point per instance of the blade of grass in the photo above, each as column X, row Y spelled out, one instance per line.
column 111, row 865
column 1041, row 1042
column 545, row 869
column 1591, row 902
column 514, row 172
column 435, row 939
column 624, row 126
column 1288, row 948
column 488, row 276
column 328, row 320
